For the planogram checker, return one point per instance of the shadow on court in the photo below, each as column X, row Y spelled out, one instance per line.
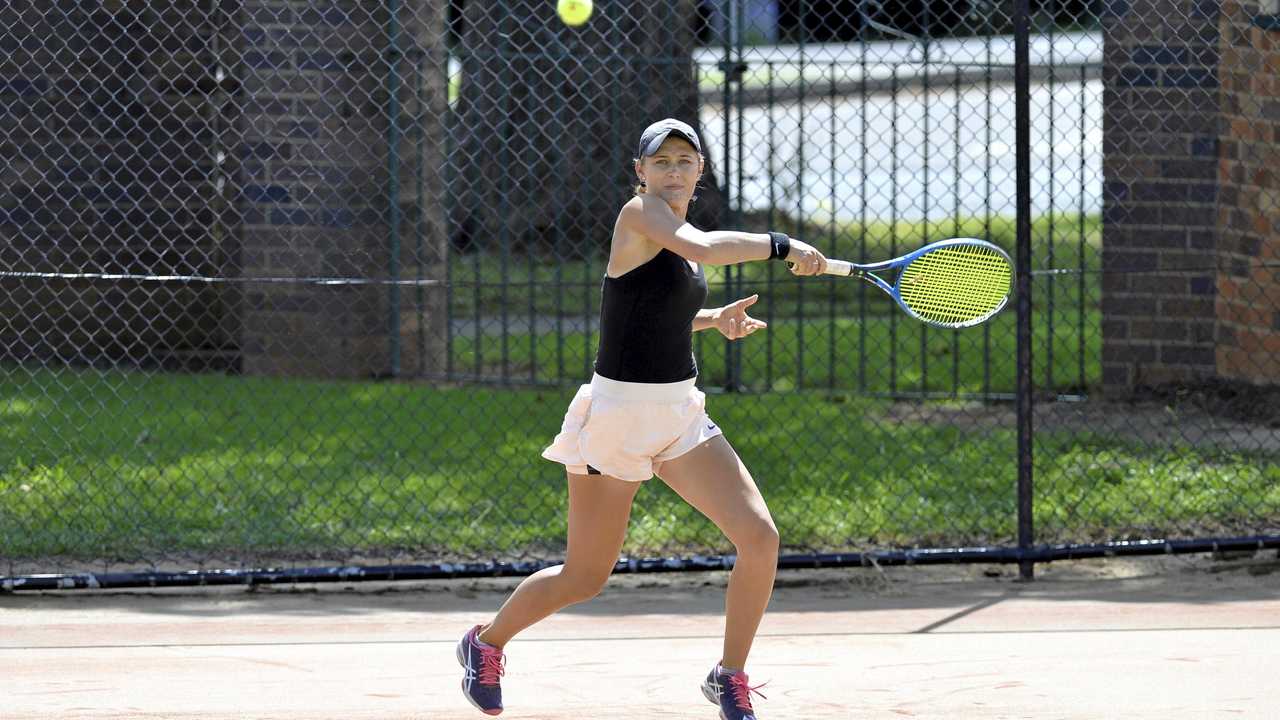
column 1169, row 637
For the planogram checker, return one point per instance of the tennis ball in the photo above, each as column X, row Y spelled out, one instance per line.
column 573, row 12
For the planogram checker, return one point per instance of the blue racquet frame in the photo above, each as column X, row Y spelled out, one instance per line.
column 866, row 272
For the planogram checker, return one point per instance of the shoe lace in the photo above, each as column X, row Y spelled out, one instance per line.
column 491, row 661
column 742, row 690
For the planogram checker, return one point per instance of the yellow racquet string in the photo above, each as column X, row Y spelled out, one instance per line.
column 956, row 285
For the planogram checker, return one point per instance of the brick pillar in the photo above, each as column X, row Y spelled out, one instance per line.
column 1190, row 196
column 1248, row 303
column 317, row 178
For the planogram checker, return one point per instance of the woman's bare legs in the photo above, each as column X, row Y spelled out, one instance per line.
column 713, row 480
column 599, row 509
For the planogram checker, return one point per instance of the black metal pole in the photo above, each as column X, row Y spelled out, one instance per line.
column 729, row 8
column 1022, row 149
column 394, row 135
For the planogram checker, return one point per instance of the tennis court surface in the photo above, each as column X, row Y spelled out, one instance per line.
column 1169, row 637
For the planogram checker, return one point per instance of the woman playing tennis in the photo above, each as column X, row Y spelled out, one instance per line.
column 641, row 416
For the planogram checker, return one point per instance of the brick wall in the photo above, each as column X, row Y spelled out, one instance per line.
column 1189, row 201
column 226, row 140
column 106, row 117
column 316, row 175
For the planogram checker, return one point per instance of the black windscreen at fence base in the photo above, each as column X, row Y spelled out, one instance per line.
column 696, row 563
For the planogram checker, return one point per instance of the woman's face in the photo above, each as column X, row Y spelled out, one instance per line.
column 672, row 172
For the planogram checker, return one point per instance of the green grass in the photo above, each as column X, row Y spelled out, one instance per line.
column 884, row 354
column 127, row 465
column 1175, row 490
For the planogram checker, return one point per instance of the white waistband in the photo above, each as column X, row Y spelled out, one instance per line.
column 649, row 392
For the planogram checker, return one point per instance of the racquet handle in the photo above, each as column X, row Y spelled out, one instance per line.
column 842, row 268
column 835, row 267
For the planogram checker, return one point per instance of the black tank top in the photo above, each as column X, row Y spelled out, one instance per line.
column 646, row 321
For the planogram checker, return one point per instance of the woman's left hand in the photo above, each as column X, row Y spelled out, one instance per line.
column 733, row 321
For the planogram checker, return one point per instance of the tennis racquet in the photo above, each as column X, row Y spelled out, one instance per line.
column 953, row 283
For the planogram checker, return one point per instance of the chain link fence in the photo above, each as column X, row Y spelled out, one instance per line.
column 307, row 283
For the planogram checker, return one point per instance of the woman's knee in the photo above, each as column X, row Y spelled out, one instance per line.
column 757, row 536
column 582, row 584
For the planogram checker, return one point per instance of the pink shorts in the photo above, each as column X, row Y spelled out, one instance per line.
column 628, row 429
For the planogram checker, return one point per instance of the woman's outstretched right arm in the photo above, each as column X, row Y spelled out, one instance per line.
column 653, row 218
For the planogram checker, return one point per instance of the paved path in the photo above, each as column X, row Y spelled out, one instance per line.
column 1097, row 639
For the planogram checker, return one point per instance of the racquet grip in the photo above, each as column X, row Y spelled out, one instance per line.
column 842, row 268
column 838, row 267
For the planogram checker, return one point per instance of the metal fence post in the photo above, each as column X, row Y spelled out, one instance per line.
column 1022, row 148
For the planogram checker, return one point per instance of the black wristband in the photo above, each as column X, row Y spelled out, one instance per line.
column 779, row 246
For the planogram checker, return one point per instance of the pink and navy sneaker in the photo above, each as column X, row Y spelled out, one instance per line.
column 731, row 692
column 484, row 666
